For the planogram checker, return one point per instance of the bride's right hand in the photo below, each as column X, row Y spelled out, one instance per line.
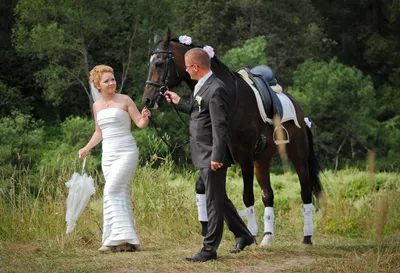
column 83, row 153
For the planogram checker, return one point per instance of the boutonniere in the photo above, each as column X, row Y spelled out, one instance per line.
column 209, row 50
column 198, row 99
column 187, row 40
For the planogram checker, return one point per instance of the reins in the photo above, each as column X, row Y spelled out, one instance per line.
column 163, row 138
column 163, row 87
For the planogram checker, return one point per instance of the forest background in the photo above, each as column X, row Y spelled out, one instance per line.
column 340, row 59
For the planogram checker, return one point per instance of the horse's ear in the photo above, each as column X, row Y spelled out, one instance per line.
column 169, row 33
column 157, row 38
column 166, row 39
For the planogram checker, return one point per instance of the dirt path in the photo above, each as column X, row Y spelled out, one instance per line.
column 327, row 257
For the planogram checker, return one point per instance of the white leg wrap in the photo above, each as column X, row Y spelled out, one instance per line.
column 251, row 221
column 201, row 207
column 269, row 219
column 308, row 222
column 250, row 214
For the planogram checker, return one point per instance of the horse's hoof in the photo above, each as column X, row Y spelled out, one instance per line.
column 303, row 245
column 307, row 241
column 267, row 240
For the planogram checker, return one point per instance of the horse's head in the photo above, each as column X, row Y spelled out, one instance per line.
column 166, row 69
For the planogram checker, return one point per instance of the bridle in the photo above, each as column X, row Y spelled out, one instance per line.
column 165, row 79
column 163, row 87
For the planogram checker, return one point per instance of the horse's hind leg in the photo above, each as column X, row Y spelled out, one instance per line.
column 298, row 155
column 263, row 178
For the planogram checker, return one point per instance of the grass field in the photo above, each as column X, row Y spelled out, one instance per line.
column 356, row 229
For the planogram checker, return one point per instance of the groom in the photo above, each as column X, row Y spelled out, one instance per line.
column 211, row 151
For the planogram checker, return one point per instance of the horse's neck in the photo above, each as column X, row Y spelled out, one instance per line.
column 191, row 83
column 225, row 75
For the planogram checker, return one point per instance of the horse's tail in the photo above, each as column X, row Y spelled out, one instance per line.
column 313, row 167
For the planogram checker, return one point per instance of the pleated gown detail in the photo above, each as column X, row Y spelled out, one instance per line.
column 119, row 162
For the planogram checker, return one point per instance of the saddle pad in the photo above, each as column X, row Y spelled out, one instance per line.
column 289, row 112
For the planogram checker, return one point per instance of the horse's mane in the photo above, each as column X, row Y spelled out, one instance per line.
column 214, row 60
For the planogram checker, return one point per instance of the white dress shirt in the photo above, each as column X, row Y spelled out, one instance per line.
column 201, row 82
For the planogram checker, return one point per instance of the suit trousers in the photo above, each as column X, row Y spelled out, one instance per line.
column 219, row 208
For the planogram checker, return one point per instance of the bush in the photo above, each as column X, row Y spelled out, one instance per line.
column 21, row 138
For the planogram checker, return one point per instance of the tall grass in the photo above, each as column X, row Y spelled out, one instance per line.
column 33, row 205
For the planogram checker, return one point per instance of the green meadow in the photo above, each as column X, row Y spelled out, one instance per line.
column 356, row 226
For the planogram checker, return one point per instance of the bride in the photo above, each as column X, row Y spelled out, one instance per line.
column 113, row 114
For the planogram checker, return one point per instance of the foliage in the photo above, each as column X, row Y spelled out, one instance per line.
column 293, row 30
column 341, row 102
column 74, row 133
column 364, row 204
column 173, row 127
column 11, row 99
column 150, row 146
column 251, row 54
column 388, row 134
column 47, row 49
column 356, row 204
column 21, row 137
column 70, row 36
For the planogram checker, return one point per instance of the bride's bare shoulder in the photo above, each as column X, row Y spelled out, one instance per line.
column 97, row 106
column 125, row 98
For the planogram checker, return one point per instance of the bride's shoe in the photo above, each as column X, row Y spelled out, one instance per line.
column 107, row 249
column 137, row 247
column 127, row 248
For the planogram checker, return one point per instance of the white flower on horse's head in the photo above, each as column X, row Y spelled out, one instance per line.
column 209, row 50
column 187, row 40
column 198, row 99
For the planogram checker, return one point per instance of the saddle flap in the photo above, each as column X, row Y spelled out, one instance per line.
column 269, row 98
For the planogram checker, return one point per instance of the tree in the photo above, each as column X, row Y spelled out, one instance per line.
column 293, row 30
column 251, row 54
column 11, row 99
column 15, row 90
column 341, row 102
column 72, row 36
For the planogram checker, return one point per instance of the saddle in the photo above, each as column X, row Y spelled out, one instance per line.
column 261, row 79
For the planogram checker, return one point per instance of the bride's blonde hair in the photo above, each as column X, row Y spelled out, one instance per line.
column 97, row 72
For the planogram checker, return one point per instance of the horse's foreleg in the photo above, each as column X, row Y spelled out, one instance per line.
column 201, row 205
column 263, row 178
column 248, row 195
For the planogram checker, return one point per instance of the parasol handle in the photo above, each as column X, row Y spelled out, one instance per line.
column 83, row 166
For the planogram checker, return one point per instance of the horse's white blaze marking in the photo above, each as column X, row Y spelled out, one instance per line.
column 152, row 58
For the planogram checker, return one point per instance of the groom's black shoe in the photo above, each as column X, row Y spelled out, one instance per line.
column 202, row 258
column 242, row 243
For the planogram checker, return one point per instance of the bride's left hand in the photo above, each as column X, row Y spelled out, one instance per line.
column 146, row 113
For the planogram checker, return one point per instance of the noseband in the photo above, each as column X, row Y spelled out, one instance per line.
column 163, row 86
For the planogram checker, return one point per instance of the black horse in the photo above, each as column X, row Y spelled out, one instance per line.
column 252, row 139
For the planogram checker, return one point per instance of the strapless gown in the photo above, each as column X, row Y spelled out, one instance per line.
column 119, row 162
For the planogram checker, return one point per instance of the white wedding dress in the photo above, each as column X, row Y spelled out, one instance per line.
column 119, row 162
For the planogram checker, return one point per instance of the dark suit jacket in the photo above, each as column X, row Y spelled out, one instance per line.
column 209, row 118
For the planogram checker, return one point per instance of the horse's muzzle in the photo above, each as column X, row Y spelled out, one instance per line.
column 150, row 103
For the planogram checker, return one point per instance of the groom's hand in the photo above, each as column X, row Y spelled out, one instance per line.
column 216, row 165
column 172, row 97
